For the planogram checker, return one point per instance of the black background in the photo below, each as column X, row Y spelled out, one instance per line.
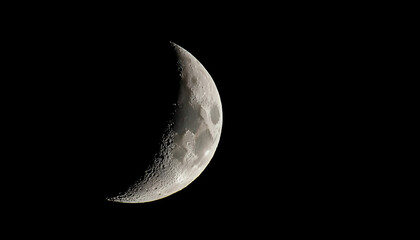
column 93, row 97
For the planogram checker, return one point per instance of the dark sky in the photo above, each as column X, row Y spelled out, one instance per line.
column 271, row 160
column 94, row 91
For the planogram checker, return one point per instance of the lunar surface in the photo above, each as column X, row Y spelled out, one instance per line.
column 191, row 137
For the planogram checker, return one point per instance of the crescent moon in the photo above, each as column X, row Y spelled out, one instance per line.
column 191, row 138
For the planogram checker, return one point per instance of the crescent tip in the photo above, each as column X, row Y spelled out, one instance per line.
column 173, row 44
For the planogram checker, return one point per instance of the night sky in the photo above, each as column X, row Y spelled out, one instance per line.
column 97, row 97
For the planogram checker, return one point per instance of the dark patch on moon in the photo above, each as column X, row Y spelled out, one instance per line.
column 194, row 80
column 188, row 114
column 179, row 153
column 214, row 114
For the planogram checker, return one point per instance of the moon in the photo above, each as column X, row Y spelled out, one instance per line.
column 190, row 139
